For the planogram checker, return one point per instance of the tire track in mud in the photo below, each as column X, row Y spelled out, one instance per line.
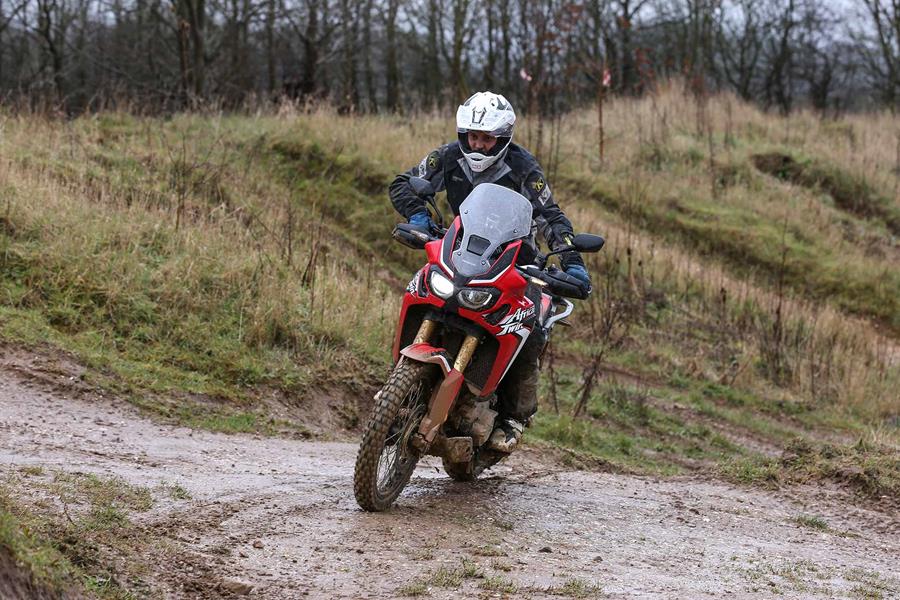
column 279, row 515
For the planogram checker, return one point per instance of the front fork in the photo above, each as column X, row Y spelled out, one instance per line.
column 445, row 394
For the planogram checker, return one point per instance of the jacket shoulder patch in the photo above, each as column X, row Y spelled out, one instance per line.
column 430, row 163
column 545, row 194
column 540, row 189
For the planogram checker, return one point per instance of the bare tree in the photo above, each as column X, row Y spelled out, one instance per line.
column 7, row 14
column 739, row 46
column 460, row 34
column 433, row 80
column 506, row 17
column 53, row 21
column 623, row 58
column 270, row 46
column 368, row 71
column 350, row 11
column 545, row 55
column 882, row 57
column 392, row 68
column 820, row 61
column 314, row 35
column 190, row 26
column 777, row 86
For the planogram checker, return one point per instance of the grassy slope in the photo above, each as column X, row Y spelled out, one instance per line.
column 82, row 536
column 198, row 263
column 227, row 300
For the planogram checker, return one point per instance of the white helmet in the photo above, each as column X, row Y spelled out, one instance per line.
column 492, row 114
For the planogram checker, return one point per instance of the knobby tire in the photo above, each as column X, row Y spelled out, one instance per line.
column 384, row 463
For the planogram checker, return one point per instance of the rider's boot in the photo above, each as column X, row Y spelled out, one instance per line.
column 506, row 436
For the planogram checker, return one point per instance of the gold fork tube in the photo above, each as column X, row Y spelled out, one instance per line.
column 465, row 353
column 425, row 331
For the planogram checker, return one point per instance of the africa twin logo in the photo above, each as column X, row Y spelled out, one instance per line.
column 478, row 115
column 514, row 322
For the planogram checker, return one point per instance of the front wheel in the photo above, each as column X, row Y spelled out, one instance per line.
column 386, row 458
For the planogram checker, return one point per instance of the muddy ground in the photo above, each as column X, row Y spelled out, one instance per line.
column 276, row 518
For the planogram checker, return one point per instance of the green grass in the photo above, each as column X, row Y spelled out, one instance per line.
column 39, row 559
column 453, row 577
column 812, row 522
column 447, row 577
column 848, row 191
column 804, row 242
column 625, row 427
column 871, row 585
column 84, row 539
column 870, row 469
column 198, row 264
column 576, row 588
column 176, row 492
column 498, row 583
column 413, row 589
column 488, row 551
column 208, row 300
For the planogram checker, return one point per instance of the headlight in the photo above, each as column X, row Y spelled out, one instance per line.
column 440, row 285
column 475, row 298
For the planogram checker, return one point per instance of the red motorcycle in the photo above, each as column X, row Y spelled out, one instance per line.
column 464, row 319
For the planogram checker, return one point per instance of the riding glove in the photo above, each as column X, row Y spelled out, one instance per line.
column 423, row 219
column 581, row 274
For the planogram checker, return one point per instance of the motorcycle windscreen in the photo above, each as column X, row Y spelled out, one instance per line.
column 491, row 216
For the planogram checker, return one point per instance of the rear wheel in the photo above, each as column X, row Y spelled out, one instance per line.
column 386, row 458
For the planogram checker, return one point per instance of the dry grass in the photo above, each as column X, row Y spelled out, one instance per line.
column 150, row 279
column 834, row 357
column 222, row 255
column 207, row 253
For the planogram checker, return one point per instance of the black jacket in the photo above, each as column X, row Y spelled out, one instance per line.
column 446, row 169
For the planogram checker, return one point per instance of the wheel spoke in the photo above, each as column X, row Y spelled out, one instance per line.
column 394, row 455
column 385, row 466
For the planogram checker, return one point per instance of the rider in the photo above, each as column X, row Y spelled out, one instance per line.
column 485, row 153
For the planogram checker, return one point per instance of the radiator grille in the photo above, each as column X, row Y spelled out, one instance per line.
column 482, row 362
column 414, row 317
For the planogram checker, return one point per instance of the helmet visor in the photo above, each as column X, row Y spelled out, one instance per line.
column 497, row 148
column 499, row 132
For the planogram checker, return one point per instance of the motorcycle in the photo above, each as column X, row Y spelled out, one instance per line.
column 465, row 317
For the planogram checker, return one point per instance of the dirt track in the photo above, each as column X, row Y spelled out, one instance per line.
column 279, row 515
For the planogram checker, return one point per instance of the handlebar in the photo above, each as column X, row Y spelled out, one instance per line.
column 559, row 282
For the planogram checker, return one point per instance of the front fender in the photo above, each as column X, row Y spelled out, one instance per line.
column 427, row 353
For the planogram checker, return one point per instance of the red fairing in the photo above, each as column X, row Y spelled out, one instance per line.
column 433, row 251
column 511, row 331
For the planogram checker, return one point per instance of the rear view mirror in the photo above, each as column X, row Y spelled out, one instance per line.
column 422, row 187
column 588, row 242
